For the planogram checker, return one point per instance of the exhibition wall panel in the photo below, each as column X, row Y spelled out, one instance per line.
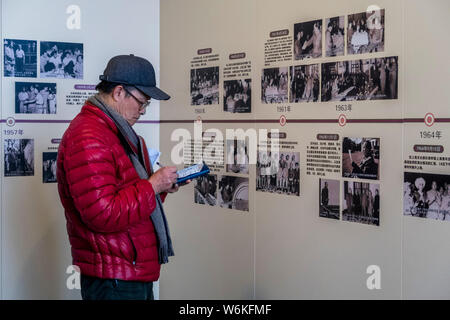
column 214, row 247
column 39, row 99
column 356, row 90
column 425, row 241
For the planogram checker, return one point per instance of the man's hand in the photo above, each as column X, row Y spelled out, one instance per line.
column 164, row 179
column 175, row 187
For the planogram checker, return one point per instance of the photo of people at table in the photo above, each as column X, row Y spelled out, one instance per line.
column 368, row 79
column 365, row 32
column 205, row 86
column 61, row 60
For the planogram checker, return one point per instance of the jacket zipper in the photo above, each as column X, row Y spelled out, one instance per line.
column 134, row 249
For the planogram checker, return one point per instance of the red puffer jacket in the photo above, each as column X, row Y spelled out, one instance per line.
column 107, row 205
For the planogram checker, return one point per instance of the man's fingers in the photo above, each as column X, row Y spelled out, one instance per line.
column 171, row 169
column 173, row 189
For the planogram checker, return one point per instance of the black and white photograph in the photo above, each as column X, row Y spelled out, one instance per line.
column 361, row 203
column 205, row 86
column 365, row 32
column 233, row 193
column 308, row 40
column 19, row 157
column 304, row 83
column 61, row 60
column 278, row 172
column 274, row 85
column 20, row 58
column 369, row 79
column 237, row 156
column 237, row 96
column 426, row 195
column 205, row 190
column 334, row 36
column 35, row 97
column 49, row 167
column 329, row 191
column 361, row 158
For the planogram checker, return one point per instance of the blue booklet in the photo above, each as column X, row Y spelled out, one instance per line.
column 190, row 173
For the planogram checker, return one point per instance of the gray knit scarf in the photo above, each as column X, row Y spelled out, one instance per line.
column 134, row 146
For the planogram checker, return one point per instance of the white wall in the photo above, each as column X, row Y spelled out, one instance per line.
column 34, row 242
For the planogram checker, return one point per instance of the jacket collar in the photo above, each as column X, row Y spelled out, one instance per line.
column 90, row 108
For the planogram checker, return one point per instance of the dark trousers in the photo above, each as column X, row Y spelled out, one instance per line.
column 112, row 289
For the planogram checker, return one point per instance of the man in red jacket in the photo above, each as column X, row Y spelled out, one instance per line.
column 112, row 198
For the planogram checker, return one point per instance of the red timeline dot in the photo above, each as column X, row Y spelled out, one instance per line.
column 283, row 120
column 429, row 119
column 342, row 120
column 10, row 122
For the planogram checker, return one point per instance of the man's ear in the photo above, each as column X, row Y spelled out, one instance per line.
column 118, row 93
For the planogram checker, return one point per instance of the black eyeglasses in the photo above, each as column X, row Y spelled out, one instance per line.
column 143, row 104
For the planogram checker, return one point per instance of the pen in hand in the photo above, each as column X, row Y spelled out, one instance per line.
column 160, row 165
column 165, row 174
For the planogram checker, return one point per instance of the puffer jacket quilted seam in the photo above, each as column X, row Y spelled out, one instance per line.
column 106, row 251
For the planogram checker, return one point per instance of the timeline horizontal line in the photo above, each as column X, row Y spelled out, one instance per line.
column 406, row 120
